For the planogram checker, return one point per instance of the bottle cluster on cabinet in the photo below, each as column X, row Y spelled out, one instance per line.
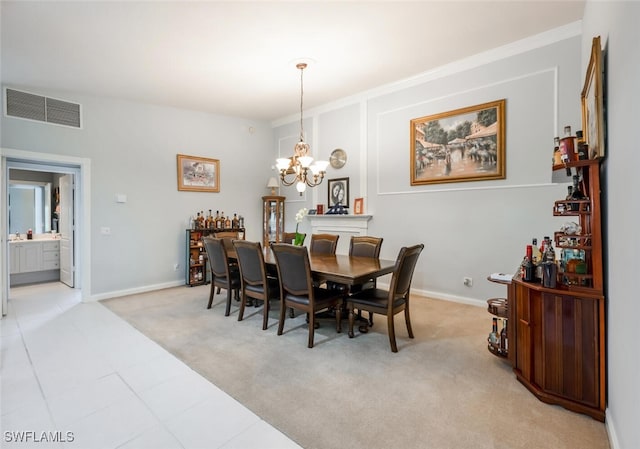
column 218, row 222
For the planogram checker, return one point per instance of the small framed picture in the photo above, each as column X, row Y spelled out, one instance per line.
column 198, row 174
column 311, row 212
column 320, row 209
column 338, row 192
column 358, row 206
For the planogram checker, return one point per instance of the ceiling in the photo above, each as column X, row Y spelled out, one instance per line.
column 238, row 58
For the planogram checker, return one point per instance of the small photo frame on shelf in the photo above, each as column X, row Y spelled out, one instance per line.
column 338, row 192
column 593, row 103
column 311, row 212
column 320, row 209
column 358, row 206
column 198, row 174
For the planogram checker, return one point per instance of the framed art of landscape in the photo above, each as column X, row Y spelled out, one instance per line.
column 198, row 174
column 466, row 144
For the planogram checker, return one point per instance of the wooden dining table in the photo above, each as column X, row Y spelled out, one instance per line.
column 341, row 268
column 338, row 268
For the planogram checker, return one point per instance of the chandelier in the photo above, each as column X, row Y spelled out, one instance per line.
column 300, row 169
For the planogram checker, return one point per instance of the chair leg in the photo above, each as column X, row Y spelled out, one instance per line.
column 351, row 319
column 291, row 314
column 392, row 333
column 312, row 323
column 265, row 312
column 243, row 303
column 407, row 320
column 228, row 310
column 370, row 319
column 281, row 319
column 211, row 295
column 339, row 318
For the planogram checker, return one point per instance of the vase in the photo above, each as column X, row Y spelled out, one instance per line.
column 299, row 239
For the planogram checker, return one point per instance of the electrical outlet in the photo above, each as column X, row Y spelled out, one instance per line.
column 467, row 281
column 176, row 266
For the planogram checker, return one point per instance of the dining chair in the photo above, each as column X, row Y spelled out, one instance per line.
column 392, row 301
column 297, row 290
column 323, row 243
column 289, row 237
column 255, row 283
column 223, row 273
column 365, row 246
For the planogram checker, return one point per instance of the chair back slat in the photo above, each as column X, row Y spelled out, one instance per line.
column 217, row 254
column 251, row 262
column 365, row 246
column 403, row 273
column 324, row 243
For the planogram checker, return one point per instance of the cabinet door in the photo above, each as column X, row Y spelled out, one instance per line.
column 522, row 330
column 273, row 219
column 571, row 348
column 14, row 256
column 30, row 257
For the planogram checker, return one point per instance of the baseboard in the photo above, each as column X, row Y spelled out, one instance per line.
column 133, row 291
column 611, row 430
column 443, row 296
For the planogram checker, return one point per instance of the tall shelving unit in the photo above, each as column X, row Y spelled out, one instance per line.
column 558, row 347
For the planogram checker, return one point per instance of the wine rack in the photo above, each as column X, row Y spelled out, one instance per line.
column 196, row 272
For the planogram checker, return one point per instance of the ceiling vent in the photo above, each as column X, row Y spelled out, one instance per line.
column 42, row 109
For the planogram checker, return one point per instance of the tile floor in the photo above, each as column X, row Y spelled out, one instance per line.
column 74, row 375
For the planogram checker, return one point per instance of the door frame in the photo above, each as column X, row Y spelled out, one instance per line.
column 81, row 168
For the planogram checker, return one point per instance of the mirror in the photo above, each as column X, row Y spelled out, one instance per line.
column 29, row 207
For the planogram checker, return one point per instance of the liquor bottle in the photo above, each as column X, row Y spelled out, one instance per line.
column 576, row 193
column 504, row 340
column 208, row 221
column 493, row 336
column 197, row 225
column 536, row 255
column 241, row 221
column 582, row 147
column 227, row 223
column 528, row 267
column 221, row 221
column 234, row 221
column 557, row 156
column 536, row 258
column 216, row 220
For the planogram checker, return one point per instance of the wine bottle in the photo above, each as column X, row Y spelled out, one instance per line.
column 493, row 336
column 504, row 339
column 567, row 148
column 529, row 268
column 234, row 221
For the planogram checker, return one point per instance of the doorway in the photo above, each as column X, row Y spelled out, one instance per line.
column 76, row 173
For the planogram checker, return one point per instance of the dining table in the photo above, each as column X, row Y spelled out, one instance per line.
column 338, row 268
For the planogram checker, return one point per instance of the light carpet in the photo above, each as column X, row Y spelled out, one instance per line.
column 443, row 389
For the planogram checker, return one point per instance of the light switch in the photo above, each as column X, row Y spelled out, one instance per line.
column 121, row 198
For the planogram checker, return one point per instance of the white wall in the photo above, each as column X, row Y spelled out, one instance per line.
column 133, row 148
column 471, row 228
column 617, row 25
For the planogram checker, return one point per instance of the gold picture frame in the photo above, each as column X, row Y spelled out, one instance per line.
column 358, row 206
column 593, row 103
column 466, row 144
column 198, row 174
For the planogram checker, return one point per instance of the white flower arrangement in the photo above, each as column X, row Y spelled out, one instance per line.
column 300, row 216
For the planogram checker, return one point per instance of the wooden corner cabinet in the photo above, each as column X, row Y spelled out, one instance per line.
column 272, row 219
column 558, row 347
column 196, row 272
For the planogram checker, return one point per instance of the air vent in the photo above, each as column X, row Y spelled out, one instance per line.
column 43, row 109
